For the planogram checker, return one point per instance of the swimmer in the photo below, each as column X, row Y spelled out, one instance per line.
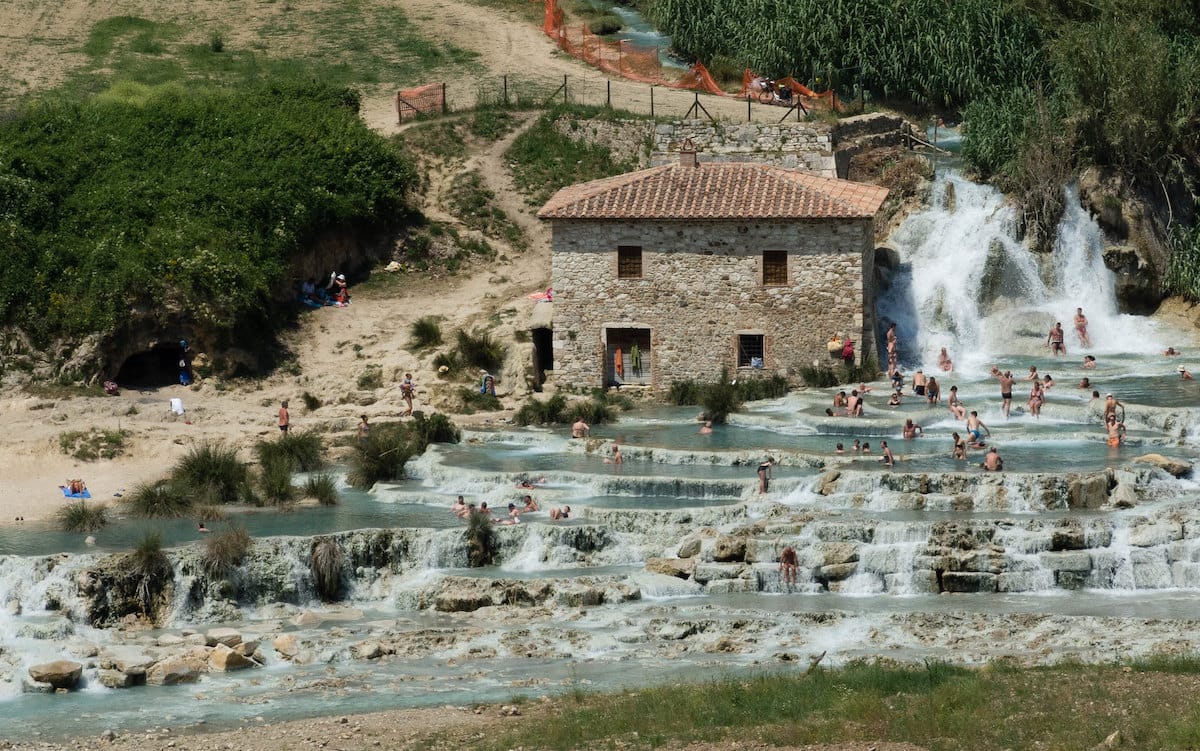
column 957, row 408
column 1110, row 406
column 894, row 401
column 1172, row 352
column 459, row 508
column 1081, row 324
column 944, row 361
column 919, row 382
column 483, row 509
column 933, row 392
column 857, row 447
column 976, row 428
column 897, row 380
column 992, row 462
column 1037, row 397
column 580, row 429
column 866, row 449
column 764, row 474
column 1184, row 374
column 1047, row 382
column 911, row 429
column 558, row 514
column 1033, row 374
column 863, row 389
column 616, row 457
column 1089, row 361
column 854, row 404
column 839, row 449
column 886, row 459
column 1006, row 386
column 1116, row 431
column 201, row 528
column 1084, row 383
column 839, row 401
column 706, row 428
column 530, row 504
column 959, row 451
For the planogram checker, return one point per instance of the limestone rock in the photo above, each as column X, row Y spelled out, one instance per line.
column 678, row 567
column 707, row 572
column 461, row 602
column 367, row 650
column 729, row 548
column 837, row 572
column 689, row 548
column 1175, row 467
column 59, row 674
column 840, row 552
column 224, row 659
column 827, row 485
column 1067, row 537
column 659, row 585
column 114, row 679
column 287, row 645
column 1088, row 492
column 171, row 672
column 968, row 581
column 129, row 660
column 229, row 637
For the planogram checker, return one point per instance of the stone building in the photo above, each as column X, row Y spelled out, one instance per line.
column 679, row 270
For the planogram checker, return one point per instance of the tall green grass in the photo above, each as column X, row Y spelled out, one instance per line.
column 81, row 517
column 225, row 550
column 209, row 468
column 544, row 160
column 163, row 499
column 389, row 446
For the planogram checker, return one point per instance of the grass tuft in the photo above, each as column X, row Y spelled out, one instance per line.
column 224, row 551
column 326, row 562
column 538, row 412
column 81, row 517
column 424, row 333
column 481, row 540
column 158, row 500
column 322, row 487
column 212, row 469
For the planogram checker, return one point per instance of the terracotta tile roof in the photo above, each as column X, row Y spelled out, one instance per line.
column 724, row 190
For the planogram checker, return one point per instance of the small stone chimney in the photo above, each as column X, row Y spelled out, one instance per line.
column 687, row 154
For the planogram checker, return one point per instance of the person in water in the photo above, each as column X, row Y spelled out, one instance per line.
column 919, row 382
column 886, row 458
column 1184, row 373
column 1084, row 383
column 1116, row 431
column 944, row 361
column 1047, row 382
column 1110, row 406
column 706, row 428
column 1172, row 352
column 1037, row 397
column 616, row 457
column 580, row 429
column 976, row 429
column 558, row 514
column 1089, row 361
column 911, row 430
column 1006, row 390
column 959, row 451
column 992, row 462
column 894, row 401
column 957, row 408
column 1056, row 340
column 933, row 392
column 1081, row 324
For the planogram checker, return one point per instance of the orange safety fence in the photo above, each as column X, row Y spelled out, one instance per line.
column 620, row 58
column 827, row 98
column 422, row 100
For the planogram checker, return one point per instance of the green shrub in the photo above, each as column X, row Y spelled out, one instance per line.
column 1183, row 267
column 311, row 403
column 225, row 550
column 371, row 378
column 90, row 445
column 452, row 361
column 720, row 399
column 275, row 479
column 191, row 200
column 537, row 412
column 601, row 408
column 425, row 332
column 324, row 488
column 819, row 376
column 151, row 567
column 436, row 428
column 685, row 393
column 158, row 500
column 213, row 469
column 303, row 450
column 216, row 42
column 490, row 123
column 480, row 537
column 481, row 350
column 471, row 401
column 326, row 563
column 544, row 160
column 381, row 457
column 609, row 23
column 753, row 389
column 81, row 517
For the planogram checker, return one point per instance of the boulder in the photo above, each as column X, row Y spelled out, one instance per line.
column 729, row 548
column 230, row 637
column 1175, row 467
column 114, row 679
column 827, row 485
column 837, row 572
column 59, row 674
column 171, row 672
column 689, row 548
column 1068, row 537
column 839, row 552
column 367, row 650
column 1090, row 491
column 248, row 647
column 461, row 602
column 968, row 581
column 658, row 585
column 225, row 659
column 312, row 619
column 678, row 567
column 706, row 572
column 286, row 645
column 129, row 660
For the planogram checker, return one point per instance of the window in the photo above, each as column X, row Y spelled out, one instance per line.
column 750, row 350
column 629, row 262
column 775, row 270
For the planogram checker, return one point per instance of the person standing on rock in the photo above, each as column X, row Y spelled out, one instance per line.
column 1006, row 386
column 407, row 389
column 886, row 459
column 787, row 565
column 285, row 419
column 1081, row 324
column 1056, row 340
column 764, row 474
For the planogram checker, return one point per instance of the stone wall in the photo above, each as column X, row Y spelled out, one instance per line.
column 701, row 287
column 804, row 145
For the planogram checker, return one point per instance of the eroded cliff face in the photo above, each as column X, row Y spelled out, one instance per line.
column 1134, row 218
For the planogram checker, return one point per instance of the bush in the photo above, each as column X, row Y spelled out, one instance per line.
column 753, row 389
column 819, row 376
column 685, row 393
column 371, row 378
column 425, row 332
column 452, row 361
column 212, row 469
column 311, row 403
column 150, row 565
column 158, row 500
column 81, row 517
column 609, row 23
column 471, row 401
column 216, row 42
column 194, row 201
column 437, row 428
column 90, row 445
column 275, row 479
column 326, row 562
column 481, row 350
column 1183, row 267
column 303, row 450
column 224, row 551
column 480, row 537
column 536, row 412
column 324, row 488
column 719, row 399
column 544, row 160
column 381, row 457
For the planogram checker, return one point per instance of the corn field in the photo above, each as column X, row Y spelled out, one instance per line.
column 932, row 51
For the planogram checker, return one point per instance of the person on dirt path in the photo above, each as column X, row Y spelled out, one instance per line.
column 285, row 418
column 407, row 389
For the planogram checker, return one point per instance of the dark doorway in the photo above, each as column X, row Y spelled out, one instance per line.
column 627, row 357
column 153, row 368
column 543, row 355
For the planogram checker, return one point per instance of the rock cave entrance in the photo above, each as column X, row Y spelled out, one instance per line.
column 543, row 354
column 152, row 368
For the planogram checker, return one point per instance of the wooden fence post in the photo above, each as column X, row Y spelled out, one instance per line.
column 445, row 109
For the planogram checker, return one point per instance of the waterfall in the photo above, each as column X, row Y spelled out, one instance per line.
column 967, row 283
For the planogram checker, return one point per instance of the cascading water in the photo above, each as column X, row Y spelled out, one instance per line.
column 968, row 284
